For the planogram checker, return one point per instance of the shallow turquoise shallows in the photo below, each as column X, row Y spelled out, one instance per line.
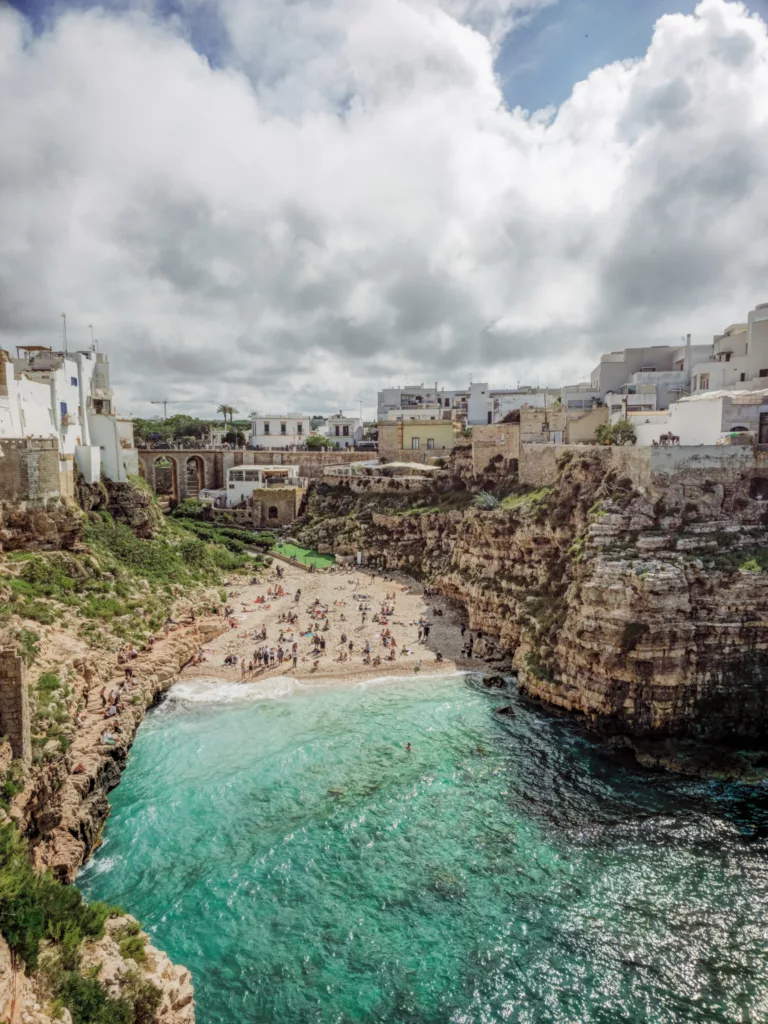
column 282, row 843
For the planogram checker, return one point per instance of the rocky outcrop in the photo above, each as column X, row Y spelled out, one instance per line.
column 64, row 806
column 644, row 611
column 53, row 528
column 25, row 1000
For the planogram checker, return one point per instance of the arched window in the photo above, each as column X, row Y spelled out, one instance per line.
column 273, row 513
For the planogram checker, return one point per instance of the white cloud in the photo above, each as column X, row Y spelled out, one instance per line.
column 345, row 199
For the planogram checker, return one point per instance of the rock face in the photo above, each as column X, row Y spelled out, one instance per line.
column 65, row 806
column 63, row 810
column 637, row 609
column 24, row 1000
column 53, row 528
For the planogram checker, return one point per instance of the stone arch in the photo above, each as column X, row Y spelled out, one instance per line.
column 165, row 477
column 272, row 512
column 194, row 476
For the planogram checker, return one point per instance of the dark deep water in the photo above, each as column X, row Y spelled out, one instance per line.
column 280, row 842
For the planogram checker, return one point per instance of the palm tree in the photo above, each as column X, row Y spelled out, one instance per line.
column 225, row 411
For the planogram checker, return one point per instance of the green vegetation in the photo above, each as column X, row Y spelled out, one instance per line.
column 123, row 588
column 307, row 556
column 530, row 497
column 12, row 783
column 34, row 908
column 51, row 720
column 620, row 433
column 486, row 500
column 234, row 538
column 131, row 942
column 316, row 442
column 750, row 560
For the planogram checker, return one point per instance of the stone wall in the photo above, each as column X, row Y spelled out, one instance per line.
column 278, row 506
column 488, row 442
column 378, row 485
column 540, row 463
column 14, row 703
column 30, row 470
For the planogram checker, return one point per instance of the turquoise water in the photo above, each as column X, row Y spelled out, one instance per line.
column 286, row 847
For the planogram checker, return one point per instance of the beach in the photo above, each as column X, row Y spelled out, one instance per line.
column 340, row 595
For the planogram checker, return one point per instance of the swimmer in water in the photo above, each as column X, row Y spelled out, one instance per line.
column 408, row 747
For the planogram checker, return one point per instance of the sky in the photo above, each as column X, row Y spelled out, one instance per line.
column 286, row 205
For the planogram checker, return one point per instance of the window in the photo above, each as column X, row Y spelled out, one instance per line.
column 447, row 403
column 430, row 442
column 73, row 381
column 266, row 428
column 415, row 443
column 490, row 417
column 346, row 430
column 273, row 513
column 337, row 430
column 299, row 428
column 704, row 381
column 763, row 373
column 282, row 428
column 742, row 376
column 63, row 408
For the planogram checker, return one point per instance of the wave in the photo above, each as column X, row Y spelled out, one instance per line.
column 220, row 691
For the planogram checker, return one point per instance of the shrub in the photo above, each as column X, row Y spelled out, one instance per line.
column 132, row 948
column 486, row 500
column 29, row 645
column 33, row 907
column 190, row 508
column 88, row 1001
column 145, row 997
column 620, row 433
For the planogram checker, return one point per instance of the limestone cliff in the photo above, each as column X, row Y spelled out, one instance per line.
column 642, row 608
column 64, row 806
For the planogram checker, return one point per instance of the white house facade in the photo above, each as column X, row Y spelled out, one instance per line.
column 66, row 396
column 289, row 431
column 344, row 431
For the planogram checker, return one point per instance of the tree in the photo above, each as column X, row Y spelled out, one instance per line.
column 227, row 411
column 316, row 442
column 620, row 433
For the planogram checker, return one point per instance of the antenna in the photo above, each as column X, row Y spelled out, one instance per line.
column 64, row 320
column 93, row 343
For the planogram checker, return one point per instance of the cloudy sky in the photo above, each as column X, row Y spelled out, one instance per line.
column 287, row 204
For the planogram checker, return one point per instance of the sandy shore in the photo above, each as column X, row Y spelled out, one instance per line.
column 341, row 594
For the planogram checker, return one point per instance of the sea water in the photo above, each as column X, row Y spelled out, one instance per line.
column 282, row 843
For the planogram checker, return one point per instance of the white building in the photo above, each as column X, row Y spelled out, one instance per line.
column 704, row 418
column 242, row 481
column 66, row 395
column 344, row 431
column 737, row 358
column 659, row 373
column 415, row 397
column 271, row 431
